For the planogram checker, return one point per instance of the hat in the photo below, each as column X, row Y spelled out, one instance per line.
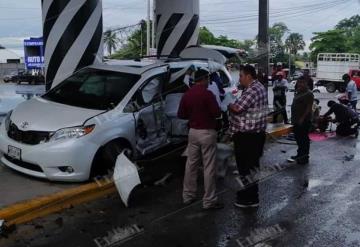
column 280, row 73
column 200, row 74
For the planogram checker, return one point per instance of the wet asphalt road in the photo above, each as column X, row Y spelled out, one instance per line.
column 313, row 205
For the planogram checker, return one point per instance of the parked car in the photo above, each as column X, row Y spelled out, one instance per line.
column 28, row 77
column 23, row 76
column 78, row 128
column 11, row 77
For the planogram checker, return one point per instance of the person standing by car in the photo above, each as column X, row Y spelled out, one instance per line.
column 279, row 89
column 247, row 127
column 301, row 115
column 351, row 90
column 199, row 106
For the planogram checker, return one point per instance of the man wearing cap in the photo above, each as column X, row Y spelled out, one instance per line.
column 279, row 89
column 199, row 106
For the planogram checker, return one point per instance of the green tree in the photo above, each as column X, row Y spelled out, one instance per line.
column 276, row 36
column 294, row 43
column 330, row 41
column 349, row 25
column 206, row 37
column 110, row 41
column 135, row 46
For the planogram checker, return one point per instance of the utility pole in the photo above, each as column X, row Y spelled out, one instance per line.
column 153, row 24
column 148, row 29
column 263, row 37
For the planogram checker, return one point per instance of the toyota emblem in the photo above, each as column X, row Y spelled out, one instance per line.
column 24, row 125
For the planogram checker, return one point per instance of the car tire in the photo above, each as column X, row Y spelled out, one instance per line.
column 105, row 158
column 331, row 87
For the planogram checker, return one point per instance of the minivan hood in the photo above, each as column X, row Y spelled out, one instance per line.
column 39, row 114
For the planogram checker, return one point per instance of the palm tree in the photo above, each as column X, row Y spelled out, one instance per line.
column 294, row 43
column 111, row 41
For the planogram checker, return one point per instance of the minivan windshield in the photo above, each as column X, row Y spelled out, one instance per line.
column 93, row 89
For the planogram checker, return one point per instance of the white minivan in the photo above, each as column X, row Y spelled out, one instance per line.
column 78, row 128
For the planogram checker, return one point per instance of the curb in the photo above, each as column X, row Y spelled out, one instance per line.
column 26, row 211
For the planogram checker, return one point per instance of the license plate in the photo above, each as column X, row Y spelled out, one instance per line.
column 14, row 152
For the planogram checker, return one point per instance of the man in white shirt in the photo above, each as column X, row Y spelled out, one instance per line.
column 351, row 90
column 280, row 88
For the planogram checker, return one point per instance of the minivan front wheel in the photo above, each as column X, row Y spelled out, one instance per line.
column 105, row 159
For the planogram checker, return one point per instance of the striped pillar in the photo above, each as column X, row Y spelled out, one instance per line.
column 177, row 25
column 72, row 32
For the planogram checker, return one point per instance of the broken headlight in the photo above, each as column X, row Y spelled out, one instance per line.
column 7, row 120
column 69, row 133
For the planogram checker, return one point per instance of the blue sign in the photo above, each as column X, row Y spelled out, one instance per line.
column 34, row 53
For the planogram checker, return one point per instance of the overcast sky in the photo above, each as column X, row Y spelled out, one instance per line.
column 234, row 18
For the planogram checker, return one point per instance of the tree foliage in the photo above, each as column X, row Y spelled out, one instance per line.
column 135, row 46
column 344, row 38
column 208, row 38
column 276, row 38
column 110, row 41
column 294, row 43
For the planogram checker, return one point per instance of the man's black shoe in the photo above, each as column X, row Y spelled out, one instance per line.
column 217, row 205
column 302, row 161
column 189, row 202
column 246, row 204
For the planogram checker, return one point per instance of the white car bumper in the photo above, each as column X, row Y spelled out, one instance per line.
column 44, row 160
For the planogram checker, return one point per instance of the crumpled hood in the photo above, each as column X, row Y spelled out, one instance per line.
column 39, row 114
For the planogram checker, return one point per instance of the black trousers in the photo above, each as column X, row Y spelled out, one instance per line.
column 346, row 129
column 280, row 108
column 249, row 147
column 301, row 133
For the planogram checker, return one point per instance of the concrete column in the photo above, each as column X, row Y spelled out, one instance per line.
column 177, row 25
column 72, row 31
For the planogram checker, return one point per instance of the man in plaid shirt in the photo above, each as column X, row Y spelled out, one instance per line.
column 247, row 126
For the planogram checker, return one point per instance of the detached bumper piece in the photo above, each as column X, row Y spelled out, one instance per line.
column 126, row 177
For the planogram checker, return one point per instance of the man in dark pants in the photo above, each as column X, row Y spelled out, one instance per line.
column 247, row 126
column 348, row 119
column 279, row 89
column 301, row 113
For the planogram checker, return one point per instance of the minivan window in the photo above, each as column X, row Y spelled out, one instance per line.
column 93, row 89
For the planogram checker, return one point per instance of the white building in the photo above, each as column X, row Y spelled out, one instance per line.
column 7, row 56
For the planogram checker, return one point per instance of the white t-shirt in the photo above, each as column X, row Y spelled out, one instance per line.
column 352, row 88
column 215, row 90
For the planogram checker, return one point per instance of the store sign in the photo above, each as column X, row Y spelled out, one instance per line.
column 34, row 53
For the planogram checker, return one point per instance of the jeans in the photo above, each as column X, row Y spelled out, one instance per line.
column 248, row 149
column 301, row 132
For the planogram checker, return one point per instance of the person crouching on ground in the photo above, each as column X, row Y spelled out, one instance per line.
column 346, row 118
column 199, row 106
column 301, row 115
column 247, row 127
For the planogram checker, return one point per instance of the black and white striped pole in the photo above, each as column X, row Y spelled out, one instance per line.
column 177, row 25
column 72, row 33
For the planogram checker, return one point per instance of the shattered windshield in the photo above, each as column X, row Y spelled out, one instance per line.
column 93, row 89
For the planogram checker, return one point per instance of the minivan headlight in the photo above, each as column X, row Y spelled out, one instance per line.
column 7, row 120
column 74, row 132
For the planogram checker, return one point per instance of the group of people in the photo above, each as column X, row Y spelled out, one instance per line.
column 248, row 122
column 247, row 126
